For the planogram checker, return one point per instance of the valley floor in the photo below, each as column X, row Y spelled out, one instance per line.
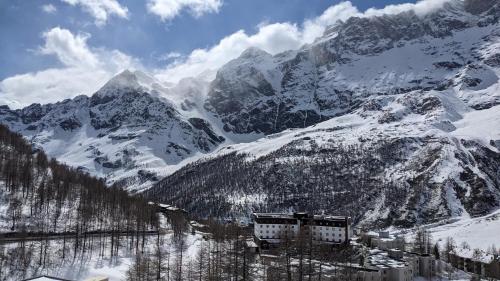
column 480, row 232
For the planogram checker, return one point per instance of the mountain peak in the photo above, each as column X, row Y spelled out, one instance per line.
column 124, row 80
column 253, row 52
column 129, row 81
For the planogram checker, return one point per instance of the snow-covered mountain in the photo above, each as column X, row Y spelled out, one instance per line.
column 412, row 130
column 392, row 119
column 126, row 132
column 362, row 60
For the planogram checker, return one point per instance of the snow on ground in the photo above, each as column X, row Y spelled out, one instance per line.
column 479, row 232
column 116, row 271
column 480, row 124
column 92, row 264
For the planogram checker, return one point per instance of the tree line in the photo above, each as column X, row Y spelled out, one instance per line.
column 330, row 178
column 44, row 197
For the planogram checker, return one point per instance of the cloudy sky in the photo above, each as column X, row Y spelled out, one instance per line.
column 56, row 49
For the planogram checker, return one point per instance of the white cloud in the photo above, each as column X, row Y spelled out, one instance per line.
column 71, row 50
column 169, row 9
column 278, row 37
column 420, row 8
column 101, row 9
column 170, row 56
column 313, row 28
column 272, row 38
column 84, row 70
column 49, row 8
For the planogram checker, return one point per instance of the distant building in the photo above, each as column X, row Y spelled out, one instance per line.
column 480, row 263
column 395, row 265
column 385, row 241
column 251, row 246
column 423, row 264
column 46, row 278
column 366, row 274
column 272, row 228
column 389, row 267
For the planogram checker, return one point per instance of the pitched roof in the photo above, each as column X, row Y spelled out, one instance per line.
column 45, row 278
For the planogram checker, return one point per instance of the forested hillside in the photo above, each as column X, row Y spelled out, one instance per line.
column 401, row 181
column 42, row 195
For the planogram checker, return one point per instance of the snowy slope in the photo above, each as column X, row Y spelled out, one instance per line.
column 450, row 150
column 400, row 104
column 479, row 233
column 358, row 61
column 126, row 132
column 394, row 119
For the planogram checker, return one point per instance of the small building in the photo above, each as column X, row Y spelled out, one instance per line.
column 423, row 264
column 476, row 262
column 366, row 274
column 46, row 278
column 386, row 241
column 251, row 246
column 273, row 228
column 389, row 268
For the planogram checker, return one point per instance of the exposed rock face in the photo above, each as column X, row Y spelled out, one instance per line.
column 402, row 143
column 390, row 118
column 400, row 160
column 362, row 57
column 477, row 7
column 122, row 132
column 379, row 182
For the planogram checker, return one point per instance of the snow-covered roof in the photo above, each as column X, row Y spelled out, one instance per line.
column 481, row 255
column 251, row 244
column 381, row 259
column 46, row 278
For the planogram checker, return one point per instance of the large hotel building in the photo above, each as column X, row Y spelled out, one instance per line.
column 271, row 228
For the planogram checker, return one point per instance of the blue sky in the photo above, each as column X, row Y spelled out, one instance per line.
column 41, row 35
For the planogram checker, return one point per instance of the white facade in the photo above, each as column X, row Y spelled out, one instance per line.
column 275, row 232
column 273, row 228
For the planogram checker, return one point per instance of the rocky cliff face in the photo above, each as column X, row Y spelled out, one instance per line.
column 124, row 132
column 390, row 119
column 401, row 161
column 363, row 58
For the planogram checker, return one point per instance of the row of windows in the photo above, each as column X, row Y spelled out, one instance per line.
column 326, row 239
column 293, row 226
column 314, row 233
column 274, row 226
column 329, row 227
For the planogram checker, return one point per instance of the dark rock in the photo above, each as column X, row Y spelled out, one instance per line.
column 477, row 7
column 202, row 124
column 70, row 124
column 493, row 60
column 450, row 65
